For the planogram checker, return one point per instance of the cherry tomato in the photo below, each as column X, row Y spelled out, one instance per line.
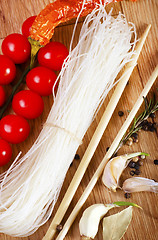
column 14, row 128
column 53, row 55
column 41, row 80
column 7, row 70
column 5, row 152
column 28, row 104
column 17, row 47
column 2, row 96
column 27, row 24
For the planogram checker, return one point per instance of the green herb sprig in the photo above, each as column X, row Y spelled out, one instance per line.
column 150, row 108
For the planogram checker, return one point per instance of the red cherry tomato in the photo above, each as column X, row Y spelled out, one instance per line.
column 2, row 96
column 7, row 70
column 14, row 128
column 17, row 47
column 27, row 24
column 28, row 104
column 53, row 55
column 5, row 152
column 41, row 80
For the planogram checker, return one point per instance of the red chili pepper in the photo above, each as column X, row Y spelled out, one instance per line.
column 60, row 11
column 55, row 13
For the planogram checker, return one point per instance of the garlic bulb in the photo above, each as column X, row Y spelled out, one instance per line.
column 114, row 169
column 90, row 219
column 140, row 184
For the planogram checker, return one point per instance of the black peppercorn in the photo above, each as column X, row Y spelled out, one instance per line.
column 131, row 164
column 152, row 129
column 145, row 127
column 152, row 115
column 137, row 166
column 150, row 124
column 107, row 148
column 135, row 135
column 127, row 195
column 59, row 227
column 156, row 162
column 145, row 122
column 77, row 157
column 120, row 113
column 135, row 140
column 137, row 172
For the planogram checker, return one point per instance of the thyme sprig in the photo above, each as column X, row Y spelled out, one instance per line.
column 150, row 108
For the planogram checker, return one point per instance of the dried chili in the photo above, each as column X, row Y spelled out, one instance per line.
column 55, row 13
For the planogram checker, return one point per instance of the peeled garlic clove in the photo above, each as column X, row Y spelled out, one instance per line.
column 90, row 219
column 140, row 184
column 114, row 169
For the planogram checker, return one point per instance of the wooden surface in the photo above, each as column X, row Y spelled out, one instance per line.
column 144, row 223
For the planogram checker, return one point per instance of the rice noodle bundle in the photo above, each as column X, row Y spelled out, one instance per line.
column 30, row 188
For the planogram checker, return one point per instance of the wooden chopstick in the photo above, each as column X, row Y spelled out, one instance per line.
column 110, row 152
column 95, row 140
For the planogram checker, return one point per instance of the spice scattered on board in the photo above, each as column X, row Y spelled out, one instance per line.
column 156, row 162
column 141, row 122
column 114, row 168
column 120, row 113
column 77, row 157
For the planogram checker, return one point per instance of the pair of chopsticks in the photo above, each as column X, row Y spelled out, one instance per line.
column 94, row 143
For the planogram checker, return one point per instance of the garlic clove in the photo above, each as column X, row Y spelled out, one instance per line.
column 90, row 219
column 114, row 169
column 140, row 184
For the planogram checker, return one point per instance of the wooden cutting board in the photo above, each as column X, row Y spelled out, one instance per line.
column 145, row 222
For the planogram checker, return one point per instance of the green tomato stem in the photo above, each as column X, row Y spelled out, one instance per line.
column 2, row 110
column 35, row 46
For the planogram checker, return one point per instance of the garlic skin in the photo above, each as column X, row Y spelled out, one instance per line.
column 114, row 169
column 90, row 219
column 140, row 184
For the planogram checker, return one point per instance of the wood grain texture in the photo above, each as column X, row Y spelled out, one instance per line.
column 144, row 223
